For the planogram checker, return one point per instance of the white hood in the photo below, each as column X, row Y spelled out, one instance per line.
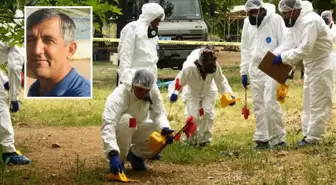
column 151, row 11
column 306, row 6
column 270, row 7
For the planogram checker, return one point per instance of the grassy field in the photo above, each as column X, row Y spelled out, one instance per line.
column 228, row 160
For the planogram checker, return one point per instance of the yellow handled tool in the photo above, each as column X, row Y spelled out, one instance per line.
column 282, row 92
column 157, row 142
column 227, row 99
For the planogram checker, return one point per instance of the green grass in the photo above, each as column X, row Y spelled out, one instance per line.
column 74, row 112
column 231, row 145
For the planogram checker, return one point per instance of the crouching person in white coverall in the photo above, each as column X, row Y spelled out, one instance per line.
column 309, row 39
column 201, row 78
column 12, row 83
column 263, row 31
column 123, row 138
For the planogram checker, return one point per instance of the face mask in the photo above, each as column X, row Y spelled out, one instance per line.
column 326, row 20
column 289, row 22
column 256, row 20
column 210, row 68
column 152, row 31
column 253, row 20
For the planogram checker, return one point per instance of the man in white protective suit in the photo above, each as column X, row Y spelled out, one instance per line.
column 309, row 39
column 123, row 138
column 263, row 31
column 201, row 78
column 328, row 19
column 138, row 43
column 14, row 56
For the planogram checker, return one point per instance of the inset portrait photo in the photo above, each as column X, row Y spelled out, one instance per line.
column 58, row 44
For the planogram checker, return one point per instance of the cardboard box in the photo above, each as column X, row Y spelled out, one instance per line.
column 278, row 72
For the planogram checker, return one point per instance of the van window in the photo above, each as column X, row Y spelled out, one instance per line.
column 180, row 9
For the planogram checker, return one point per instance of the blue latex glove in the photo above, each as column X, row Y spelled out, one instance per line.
column 115, row 165
column 6, row 86
column 233, row 97
column 245, row 81
column 14, row 106
column 173, row 97
column 277, row 60
column 167, row 132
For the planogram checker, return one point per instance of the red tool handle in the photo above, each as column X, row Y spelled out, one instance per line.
column 177, row 84
column 177, row 136
column 245, row 110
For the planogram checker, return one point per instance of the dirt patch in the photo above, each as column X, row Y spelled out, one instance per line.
column 84, row 145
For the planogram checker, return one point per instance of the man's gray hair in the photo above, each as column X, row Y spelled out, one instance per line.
column 68, row 26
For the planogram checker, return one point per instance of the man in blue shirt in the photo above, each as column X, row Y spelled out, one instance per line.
column 72, row 85
column 50, row 46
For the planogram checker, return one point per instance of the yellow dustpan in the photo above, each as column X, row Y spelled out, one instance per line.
column 227, row 99
column 120, row 177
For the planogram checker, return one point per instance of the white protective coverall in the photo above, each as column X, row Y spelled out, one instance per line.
column 333, row 57
column 14, row 57
column 256, row 42
column 198, row 93
column 332, row 27
column 122, row 105
column 3, row 77
column 309, row 39
column 135, row 49
column 15, row 60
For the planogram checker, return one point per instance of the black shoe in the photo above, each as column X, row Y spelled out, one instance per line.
column 304, row 143
column 202, row 145
column 137, row 163
column 262, row 145
column 279, row 146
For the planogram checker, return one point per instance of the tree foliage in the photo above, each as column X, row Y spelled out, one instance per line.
column 321, row 5
column 223, row 7
column 11, row 27
column 104, row 11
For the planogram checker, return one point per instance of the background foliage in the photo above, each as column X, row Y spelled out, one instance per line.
column 106, row 11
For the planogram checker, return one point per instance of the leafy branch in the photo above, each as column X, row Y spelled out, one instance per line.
column 11, row 32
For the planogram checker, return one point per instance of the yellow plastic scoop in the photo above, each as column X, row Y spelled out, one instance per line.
column 120, row 177
column 227, row 99
column 281, row 93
